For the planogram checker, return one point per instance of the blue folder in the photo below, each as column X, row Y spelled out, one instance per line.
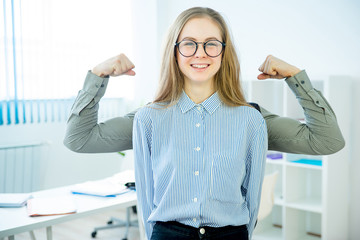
column 309, row 161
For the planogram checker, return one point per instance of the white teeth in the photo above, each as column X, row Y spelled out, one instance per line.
column 199, row 66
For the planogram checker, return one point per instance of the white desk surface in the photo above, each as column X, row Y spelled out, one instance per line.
column 16, row 220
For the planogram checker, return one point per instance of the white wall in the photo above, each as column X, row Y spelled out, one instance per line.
column 146, row 58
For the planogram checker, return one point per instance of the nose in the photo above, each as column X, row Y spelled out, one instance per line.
column 200, row 52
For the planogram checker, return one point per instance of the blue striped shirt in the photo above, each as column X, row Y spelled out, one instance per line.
column 199, row 164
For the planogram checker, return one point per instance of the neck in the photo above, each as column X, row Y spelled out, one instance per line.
column 199, row 92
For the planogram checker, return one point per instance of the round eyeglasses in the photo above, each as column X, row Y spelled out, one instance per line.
column 188, row 48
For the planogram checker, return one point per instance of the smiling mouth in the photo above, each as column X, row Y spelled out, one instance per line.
column 200, row 66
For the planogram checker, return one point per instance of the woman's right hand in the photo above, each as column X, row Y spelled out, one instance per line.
column 115, row 66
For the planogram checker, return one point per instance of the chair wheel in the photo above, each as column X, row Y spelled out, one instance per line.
column 110, row 222
column 93, row 234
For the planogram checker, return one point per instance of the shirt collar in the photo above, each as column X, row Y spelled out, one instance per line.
column 210, row 104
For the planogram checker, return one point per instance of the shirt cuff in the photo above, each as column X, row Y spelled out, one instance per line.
column 300, row 83
column 95, row 85
column 302, row 87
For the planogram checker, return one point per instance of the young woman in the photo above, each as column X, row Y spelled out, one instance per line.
column 320, row 134
column 195, row 178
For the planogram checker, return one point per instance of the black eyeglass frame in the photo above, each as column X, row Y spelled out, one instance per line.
column 197, row 45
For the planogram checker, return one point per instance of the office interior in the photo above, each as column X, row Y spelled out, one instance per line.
column 45, row 57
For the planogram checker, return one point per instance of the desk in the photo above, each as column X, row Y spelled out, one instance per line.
column 15, row 220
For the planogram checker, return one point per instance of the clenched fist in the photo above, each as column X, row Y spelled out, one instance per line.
column 276, row 68
column 116, row 66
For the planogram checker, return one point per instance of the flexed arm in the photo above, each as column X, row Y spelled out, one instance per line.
column 320, row 135
column 84, row 133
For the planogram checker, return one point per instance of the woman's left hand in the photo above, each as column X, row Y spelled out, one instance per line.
column 276, row 68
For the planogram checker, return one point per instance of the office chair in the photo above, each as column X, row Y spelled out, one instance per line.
column 116, row 222
column 267, row 195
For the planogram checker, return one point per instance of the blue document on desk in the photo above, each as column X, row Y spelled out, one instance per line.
column 109, row 187
column 100, row 189
column 101, row 194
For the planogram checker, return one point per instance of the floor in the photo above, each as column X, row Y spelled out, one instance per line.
column 81, row 229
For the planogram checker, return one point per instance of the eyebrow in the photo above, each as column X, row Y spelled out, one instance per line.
column 207, row 39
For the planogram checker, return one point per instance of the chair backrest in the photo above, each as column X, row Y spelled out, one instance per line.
column 267, row 195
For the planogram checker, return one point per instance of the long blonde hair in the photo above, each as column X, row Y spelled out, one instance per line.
column 227, row 79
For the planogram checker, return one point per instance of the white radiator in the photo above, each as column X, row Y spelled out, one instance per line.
column 20, row 167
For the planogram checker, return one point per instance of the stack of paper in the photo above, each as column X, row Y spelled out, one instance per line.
column 48, row 206
column 108, row 187
column 14, row 199
column 101, row 188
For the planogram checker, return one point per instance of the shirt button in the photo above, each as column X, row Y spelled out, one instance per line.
column 199, row 108
column 197, row 125
column 195, row 199
column 202, row 230
column 197, row 148
column 194, row 219
column 196, row 173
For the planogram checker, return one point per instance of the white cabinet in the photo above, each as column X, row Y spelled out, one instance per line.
column 311, row 199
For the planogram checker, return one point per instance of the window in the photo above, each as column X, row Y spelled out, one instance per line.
column 47, row 46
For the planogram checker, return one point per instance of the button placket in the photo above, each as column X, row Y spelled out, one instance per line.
column 198, row 131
